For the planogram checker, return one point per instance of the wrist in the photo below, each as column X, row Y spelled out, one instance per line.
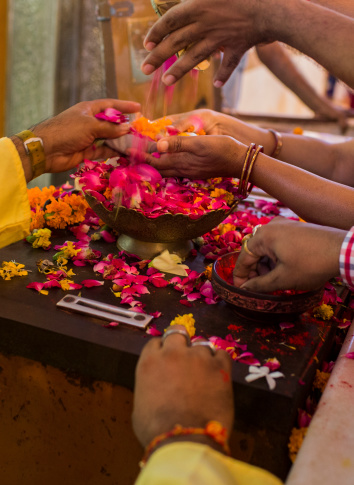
column 25, row 160
column 214, row 434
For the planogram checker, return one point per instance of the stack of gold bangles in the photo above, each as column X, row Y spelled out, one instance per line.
column 244, row 187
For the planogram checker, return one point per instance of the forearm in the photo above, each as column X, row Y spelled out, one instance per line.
column 312, row 198
column 277, row 60
column 345, row 7
column 333, row 162
column 316, row 31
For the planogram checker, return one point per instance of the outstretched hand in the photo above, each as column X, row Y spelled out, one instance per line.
column 69, row 137
column 206, row 26
column 304, row 256
column 199, row 157
column 177, row 384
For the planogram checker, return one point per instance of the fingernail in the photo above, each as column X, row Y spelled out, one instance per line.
column 148, row 69
column 149, row 46
column 162, row 146
column 218, row 84
column 168, row 80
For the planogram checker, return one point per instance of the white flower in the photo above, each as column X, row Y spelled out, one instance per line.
column 264, row 371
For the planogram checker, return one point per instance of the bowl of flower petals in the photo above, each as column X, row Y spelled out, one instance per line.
column 278, row 306
column 149, row 212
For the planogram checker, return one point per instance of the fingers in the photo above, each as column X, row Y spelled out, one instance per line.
column 272, row 281
column 106, row 129
column 230, row 60
column 175, row 338
column 174, row 19
column 177, row 143
column 245, row 266
column 124, row 106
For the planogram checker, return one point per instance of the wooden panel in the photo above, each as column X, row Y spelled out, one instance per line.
column 128, row 33
column 3, row 33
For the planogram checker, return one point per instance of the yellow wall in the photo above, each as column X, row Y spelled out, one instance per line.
column 3, row 33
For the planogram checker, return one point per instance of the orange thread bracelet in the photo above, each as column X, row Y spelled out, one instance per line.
column 214, row 430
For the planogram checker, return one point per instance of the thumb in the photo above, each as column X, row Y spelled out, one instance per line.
column 174, row 144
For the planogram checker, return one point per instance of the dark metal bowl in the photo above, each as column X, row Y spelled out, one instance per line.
column 259, row 306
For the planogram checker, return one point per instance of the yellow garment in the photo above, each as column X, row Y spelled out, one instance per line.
column 190, row 463
column 15, row 213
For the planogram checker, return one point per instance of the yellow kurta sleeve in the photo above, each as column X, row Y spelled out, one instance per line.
column 15, row 213
column 190, row 463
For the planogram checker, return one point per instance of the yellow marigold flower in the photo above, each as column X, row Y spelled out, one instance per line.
column 65, row 284
column 40, row 238
column 226, row 228
column 69, row 251
column 187, row 321
column 320, row 380
column 227, row 196
column 323, row 311
column 10, row 269
column 295, row 441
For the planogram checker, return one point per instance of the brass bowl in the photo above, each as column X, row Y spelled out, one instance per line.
column 148, row 237
column 259, row 306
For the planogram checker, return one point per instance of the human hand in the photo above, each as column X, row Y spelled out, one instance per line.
column 176, row 384
column 69, row 137
column 199, row 157
column 206, row 26
column 304, row 256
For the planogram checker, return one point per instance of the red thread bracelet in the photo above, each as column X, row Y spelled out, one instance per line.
column 214, row 430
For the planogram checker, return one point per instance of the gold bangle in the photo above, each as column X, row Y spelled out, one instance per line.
column 242, row 189
column 278, row 143
column 245, row 246
column 34, row 149
column 250, row 167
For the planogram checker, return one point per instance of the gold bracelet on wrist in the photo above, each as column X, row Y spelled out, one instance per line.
column 244, row 188
column 34, row 149
column 278, row 143
column 250, row 167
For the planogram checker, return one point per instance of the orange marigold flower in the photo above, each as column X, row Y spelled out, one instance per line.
column 57, row 213
column 38, row 197
column 295, row 441
column 320, row 380
column 151, row 128
column 37, row 219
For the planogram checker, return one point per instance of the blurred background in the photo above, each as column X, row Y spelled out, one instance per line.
column 58, row 52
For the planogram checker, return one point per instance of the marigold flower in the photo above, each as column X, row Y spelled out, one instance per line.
column 37, row 219
column 295, row 441
column 323, row 311
column 320, row 380
column 9, row 269
column 40, row 238
column 187, row 321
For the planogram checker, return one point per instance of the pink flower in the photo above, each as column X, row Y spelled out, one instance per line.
column 91, row 283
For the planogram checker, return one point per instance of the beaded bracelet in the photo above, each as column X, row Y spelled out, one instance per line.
column 243, row 187
column 278, row 143
column 214, row 430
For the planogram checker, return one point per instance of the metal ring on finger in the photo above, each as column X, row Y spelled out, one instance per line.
column 205, row 343
column 245, row 246
column 178, row 331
